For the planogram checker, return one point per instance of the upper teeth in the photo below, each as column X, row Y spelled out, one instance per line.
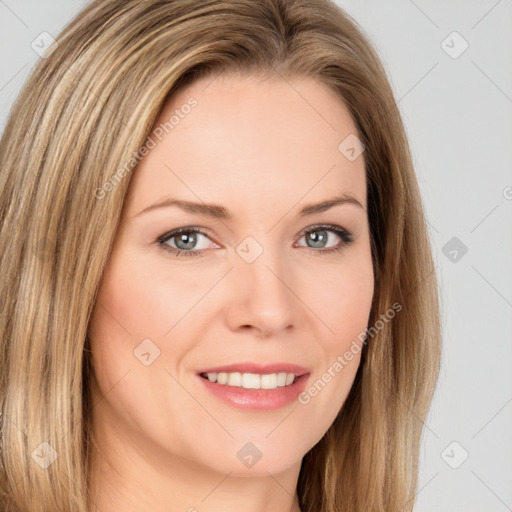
column 252, row 380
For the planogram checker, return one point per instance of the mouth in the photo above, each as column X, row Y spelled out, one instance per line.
column 252, row 386
column 251, row 380
column 254, row 375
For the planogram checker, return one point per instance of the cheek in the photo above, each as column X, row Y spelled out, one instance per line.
column 132, row 308
column 138, row 302
column 135, row 302
column 344, row 298
column 124, row 316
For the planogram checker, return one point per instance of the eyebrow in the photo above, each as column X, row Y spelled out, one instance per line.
column 219, row 212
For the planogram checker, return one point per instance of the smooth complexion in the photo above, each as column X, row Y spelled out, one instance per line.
column 263, row 150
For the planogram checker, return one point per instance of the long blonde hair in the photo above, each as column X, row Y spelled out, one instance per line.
column 85, row 111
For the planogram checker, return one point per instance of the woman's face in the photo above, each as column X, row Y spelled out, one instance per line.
column 257, row 287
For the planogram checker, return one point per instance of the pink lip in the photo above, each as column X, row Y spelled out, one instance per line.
column 258, row 368
column 257, row 399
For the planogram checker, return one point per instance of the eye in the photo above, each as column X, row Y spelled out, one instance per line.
column 318, row 236
column 186, row 242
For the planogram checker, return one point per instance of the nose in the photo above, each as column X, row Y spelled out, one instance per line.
column 263, row 298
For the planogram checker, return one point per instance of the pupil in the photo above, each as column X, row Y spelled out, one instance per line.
column 319, row 238
column 183, row 238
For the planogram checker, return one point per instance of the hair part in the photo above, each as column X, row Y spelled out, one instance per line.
column 85, row 110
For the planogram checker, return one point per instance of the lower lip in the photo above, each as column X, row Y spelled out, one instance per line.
column 257, row 399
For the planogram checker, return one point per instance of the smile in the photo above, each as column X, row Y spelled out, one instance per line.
column 253, row 386
column 251, row 380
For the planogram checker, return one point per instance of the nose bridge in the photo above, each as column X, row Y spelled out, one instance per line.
column 264, row 290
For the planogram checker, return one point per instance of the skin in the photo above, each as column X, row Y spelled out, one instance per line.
column 263, row 149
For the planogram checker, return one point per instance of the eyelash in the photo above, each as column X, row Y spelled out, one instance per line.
column 346, row 239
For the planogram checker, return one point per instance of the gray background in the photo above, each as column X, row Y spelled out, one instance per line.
column 457, row 107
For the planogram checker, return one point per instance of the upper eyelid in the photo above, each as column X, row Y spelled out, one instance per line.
column 175, row 232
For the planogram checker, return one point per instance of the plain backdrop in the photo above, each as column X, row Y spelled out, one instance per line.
column 449, row 63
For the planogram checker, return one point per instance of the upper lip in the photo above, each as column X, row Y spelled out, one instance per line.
column 258, row 368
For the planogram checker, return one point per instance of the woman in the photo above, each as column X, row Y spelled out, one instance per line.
column 254, row 375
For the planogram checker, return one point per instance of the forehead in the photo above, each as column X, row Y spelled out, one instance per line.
column 250, row 142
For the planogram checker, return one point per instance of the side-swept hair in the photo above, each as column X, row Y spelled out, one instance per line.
column 84, row 112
